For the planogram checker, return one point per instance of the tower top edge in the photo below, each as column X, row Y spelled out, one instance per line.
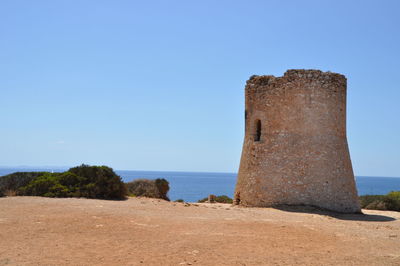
column 297, row 74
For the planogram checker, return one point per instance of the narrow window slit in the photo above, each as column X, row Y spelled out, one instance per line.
column 257, row 136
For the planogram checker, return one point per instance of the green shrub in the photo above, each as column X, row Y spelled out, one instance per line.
column 149, row 188
column 83, row 181
column 390, row 201
column 219, row 199
column 395, row 195
column 40, row 186
column 98, row 182
column 203, row 200
column 14, row 181
column 71, row 180
column 223, row 199
column 179, row 200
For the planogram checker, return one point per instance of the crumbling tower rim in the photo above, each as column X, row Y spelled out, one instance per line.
column 291, row 75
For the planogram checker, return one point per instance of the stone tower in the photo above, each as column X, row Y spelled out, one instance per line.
column 295, row 147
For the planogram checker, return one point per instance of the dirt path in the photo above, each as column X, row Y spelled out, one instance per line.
column 139, row 231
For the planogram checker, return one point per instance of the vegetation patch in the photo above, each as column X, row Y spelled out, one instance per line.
column 14, row 181
column 219, row 199
column 388, row 202
column 157, row 188
column 99, row 182
column 179, row 200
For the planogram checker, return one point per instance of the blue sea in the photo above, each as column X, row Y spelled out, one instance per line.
column 192, row 186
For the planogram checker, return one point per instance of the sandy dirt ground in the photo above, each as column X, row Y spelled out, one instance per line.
column 139, row 231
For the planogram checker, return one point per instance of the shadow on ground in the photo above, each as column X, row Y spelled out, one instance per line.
column 341, row 216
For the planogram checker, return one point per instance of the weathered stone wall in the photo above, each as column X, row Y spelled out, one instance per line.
column 295, row 148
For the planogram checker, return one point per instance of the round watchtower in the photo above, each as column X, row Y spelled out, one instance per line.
column 295, row 148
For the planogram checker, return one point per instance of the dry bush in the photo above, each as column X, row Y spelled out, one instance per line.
column 148, row 188
column 390, row 201
column 10, row 193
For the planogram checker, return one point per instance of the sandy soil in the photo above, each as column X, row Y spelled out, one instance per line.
column 44, row 231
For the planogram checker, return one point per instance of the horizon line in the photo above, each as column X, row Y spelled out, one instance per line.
column 172, row 171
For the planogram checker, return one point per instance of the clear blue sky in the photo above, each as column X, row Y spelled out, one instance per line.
column 158, row 85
